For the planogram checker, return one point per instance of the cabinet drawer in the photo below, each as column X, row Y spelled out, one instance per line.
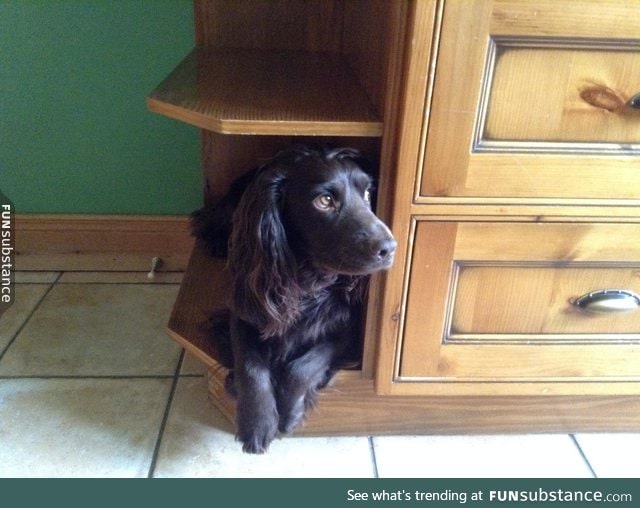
column 534, row 100
column 574, row 107
column 497, row 303
column 528, row 302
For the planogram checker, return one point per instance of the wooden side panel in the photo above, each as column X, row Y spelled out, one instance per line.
column 372, row 43
column 226, row 157
column 400, row 158
column 364, row 31
column 461, row 51
column 431, row 275
column 312, row 25
column 203, row 293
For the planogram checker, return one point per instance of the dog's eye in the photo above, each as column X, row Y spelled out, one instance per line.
column 367, row 195
column 324, row 202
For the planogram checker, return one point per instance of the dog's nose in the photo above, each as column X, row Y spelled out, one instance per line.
column 386, row 248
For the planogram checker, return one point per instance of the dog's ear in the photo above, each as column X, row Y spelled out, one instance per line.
column 353, row 156
column 262, row 265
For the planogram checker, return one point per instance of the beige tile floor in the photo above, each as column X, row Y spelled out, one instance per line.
column 91, row 386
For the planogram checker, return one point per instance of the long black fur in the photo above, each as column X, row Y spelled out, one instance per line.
column 300, row 240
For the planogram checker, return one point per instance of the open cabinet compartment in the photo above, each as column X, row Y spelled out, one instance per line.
column 266, row 74
column 202, row 292
column 285, row 67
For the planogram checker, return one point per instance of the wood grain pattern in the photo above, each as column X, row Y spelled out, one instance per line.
column 552, row 176
column 204, row 289
column 558, row 243
column 226, row 157
column 244, row 91
column 509, row 364
column 456, row 91
column 282, row 69
column 402, row 157
column 534, row 304
column 395, row 17
column 101, row 243
column 578, row 18
column 542, row 138
column 311, row 25
column 372, row 45
column 362, row 31
column 431, row 275
column 507, row 317
column 350, row 407
column 579, row 95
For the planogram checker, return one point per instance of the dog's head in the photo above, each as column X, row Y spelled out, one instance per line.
column 326, row 212
column 309, row 207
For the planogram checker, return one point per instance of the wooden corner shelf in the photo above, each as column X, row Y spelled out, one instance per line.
column 203, row 291
column 267, row 92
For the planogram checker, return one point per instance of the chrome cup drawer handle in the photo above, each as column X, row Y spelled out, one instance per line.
column 609, row 301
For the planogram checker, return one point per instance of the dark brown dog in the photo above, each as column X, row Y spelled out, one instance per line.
column 302, row 240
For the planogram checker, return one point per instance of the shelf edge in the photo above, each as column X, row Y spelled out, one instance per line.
column 266, row 128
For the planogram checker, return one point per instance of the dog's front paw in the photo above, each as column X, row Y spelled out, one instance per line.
column 257, row 439
column 256, row 429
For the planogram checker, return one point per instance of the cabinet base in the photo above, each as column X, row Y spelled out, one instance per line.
column 350, row 407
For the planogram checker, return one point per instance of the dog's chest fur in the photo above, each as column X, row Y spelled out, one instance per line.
column 329, row 314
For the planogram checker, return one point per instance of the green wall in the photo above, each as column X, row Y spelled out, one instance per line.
column 75, row 135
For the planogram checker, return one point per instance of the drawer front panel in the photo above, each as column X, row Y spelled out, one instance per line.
column 538, row 303
column 568, row 104
column 493, row 302
column 527, row 102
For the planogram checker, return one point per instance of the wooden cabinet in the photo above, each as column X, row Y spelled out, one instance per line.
column 524, row 200
column 507, row 134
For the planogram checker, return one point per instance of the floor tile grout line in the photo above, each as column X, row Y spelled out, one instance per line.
column 374, row 460
column 583, row 455
column 28, row 318
column 165, row 417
